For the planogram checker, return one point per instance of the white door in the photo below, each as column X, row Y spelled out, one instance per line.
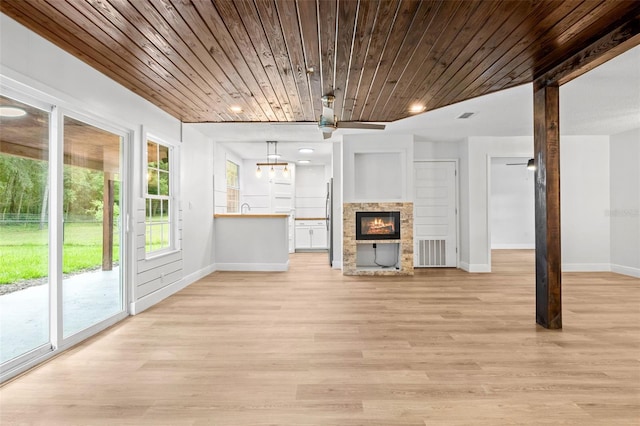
column 435, row 214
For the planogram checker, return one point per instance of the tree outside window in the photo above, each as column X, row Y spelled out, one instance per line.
column 158, row 218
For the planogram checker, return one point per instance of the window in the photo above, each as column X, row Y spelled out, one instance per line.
column 233, row 187
column 158, row 218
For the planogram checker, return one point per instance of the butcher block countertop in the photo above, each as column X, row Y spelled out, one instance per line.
column 311, row 218
column 251, row 216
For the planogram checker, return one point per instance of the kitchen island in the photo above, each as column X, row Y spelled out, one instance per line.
column 251, row 242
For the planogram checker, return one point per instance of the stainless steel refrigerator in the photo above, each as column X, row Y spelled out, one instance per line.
column 328, row 212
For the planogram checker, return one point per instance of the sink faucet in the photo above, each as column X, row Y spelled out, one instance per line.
column 243, row 206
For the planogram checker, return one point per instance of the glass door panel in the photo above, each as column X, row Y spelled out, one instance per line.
column 92, row 284
column 24, row 228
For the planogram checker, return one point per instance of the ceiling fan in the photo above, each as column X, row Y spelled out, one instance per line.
column 329, row 122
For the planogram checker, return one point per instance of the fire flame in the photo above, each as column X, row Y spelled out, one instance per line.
column 379, row 226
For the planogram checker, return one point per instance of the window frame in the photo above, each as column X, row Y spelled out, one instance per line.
column 235, row 188
column 171, row 199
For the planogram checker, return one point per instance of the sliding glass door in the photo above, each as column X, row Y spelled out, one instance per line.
column 92, row 285
column 24, row 230
column 62, row 192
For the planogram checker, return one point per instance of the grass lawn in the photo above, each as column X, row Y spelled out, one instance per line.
column 24, row 250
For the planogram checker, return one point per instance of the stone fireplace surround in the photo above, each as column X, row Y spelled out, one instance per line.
column 350, row 243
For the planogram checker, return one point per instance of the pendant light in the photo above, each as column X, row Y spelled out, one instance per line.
column 271, row 165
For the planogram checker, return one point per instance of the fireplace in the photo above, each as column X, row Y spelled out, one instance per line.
column 377, row 225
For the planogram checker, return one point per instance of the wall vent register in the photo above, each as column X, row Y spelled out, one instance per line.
column 377, row 225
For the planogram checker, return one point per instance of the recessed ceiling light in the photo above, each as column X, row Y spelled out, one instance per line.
column 416, row 108
column 305, row 151
column 304, row 161
column 237, row 109
column 272, row 156
column 9, row 111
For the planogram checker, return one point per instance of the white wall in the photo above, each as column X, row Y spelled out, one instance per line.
column 475, row 254
column 378, row 168
column 584, row 202
column 512, row 204
column 624, row 213
column 336, row 215
column 31, row 65
column 197, row 202
column 311, row 191
column 429, row 150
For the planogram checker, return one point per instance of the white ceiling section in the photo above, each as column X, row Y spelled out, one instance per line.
column 604, row 101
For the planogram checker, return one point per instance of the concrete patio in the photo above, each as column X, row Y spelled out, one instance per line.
column 88, row 298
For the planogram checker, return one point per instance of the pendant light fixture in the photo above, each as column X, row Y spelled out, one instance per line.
column 271, row 165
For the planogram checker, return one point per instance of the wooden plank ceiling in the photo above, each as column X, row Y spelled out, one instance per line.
column 275, row 59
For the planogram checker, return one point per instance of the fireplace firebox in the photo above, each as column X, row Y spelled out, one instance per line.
column 377, row 225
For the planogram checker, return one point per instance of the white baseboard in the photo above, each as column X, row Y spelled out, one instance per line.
column 625, row 270
column 195, row 276
column 586, row 267
column 478, row 267
column 253, row 267
column 157, row 296
column 513, row 247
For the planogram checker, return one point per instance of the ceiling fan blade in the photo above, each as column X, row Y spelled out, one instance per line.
column 359, row 125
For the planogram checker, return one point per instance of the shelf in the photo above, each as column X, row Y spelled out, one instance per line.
column 378, row 241
column 375, row 268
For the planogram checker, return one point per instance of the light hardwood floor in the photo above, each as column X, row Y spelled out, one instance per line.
column 312, row 347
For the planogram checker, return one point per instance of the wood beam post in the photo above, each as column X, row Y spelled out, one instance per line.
column 107, row 223
column 546, row 135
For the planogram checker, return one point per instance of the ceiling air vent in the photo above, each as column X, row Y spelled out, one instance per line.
column 466, row 115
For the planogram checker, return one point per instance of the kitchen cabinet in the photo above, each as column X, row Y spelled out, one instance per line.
column 311, row 234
